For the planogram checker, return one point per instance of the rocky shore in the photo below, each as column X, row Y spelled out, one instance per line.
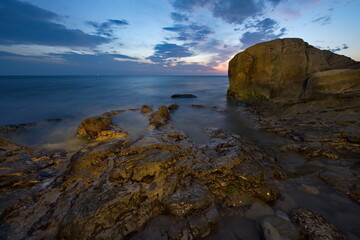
column 164, row 186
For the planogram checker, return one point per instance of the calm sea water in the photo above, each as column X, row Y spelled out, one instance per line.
column 73, row 98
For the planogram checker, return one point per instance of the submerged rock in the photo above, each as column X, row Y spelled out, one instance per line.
column 160, row 117
column 99, row 128
column 276, row 228
column 313, row 226
column 286, row 69
column 183, row 96
column 173, row 107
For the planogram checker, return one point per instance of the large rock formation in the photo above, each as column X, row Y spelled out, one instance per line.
column 287, row 69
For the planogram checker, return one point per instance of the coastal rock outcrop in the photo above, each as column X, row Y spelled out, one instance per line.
column 120, row 190
column 99, row 128
column 287, row 69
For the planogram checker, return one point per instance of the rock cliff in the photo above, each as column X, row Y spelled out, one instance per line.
column 288, row 69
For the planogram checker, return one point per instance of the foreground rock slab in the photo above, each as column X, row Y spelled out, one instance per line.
column 119, row 189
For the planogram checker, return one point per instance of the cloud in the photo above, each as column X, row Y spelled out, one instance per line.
column 72, row 63
column 264, row 31
column 191, row 32
column 235, row 11
column 105, row 28
column 324, row 20
column 178, row 17
column 23, row 23
column 231, row 11
column 169, row 53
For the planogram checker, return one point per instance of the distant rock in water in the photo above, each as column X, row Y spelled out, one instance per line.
column 289, row 69
column 183, row 96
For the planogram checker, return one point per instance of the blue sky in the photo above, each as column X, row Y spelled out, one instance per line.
column 162, row 36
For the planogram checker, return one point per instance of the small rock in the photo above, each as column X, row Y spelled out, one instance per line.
column 173, row 107
column 146, row 109
column 313, row 226
column 259, row 209
column 160, row 117
column 276, row 228
column 183, row 96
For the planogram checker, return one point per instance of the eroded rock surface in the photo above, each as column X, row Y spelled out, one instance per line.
column 112, row 189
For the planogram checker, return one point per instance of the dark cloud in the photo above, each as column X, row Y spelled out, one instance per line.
column 235, row 11
column 178, row 17
column 191, row 32
column 23, row 23
column 324, row 20
column 231, row 11
column 106, row 28
column 72, row 63
column 187, row 5
column 168, row 53
column 265, row 30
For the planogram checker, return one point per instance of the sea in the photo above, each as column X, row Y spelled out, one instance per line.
column 52, row 107
column 56, row 105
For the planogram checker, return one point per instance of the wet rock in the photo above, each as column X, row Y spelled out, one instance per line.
column 189, row 199
column 173, row 107
column 276, row 228
column 116, row 189
column 112, row 113
column 312, row 225
column 183, row 96
column 160, row 117
column 15, row 127
column 99, row 128
column 258, row 209
column 146, row 109
column 203, row 106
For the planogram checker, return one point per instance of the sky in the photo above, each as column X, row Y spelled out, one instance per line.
column 167, row 37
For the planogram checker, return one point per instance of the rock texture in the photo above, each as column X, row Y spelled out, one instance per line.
column 287, row 69
column 112, row 189
column 313, row 226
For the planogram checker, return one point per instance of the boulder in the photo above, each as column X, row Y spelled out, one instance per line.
column 283, row 69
